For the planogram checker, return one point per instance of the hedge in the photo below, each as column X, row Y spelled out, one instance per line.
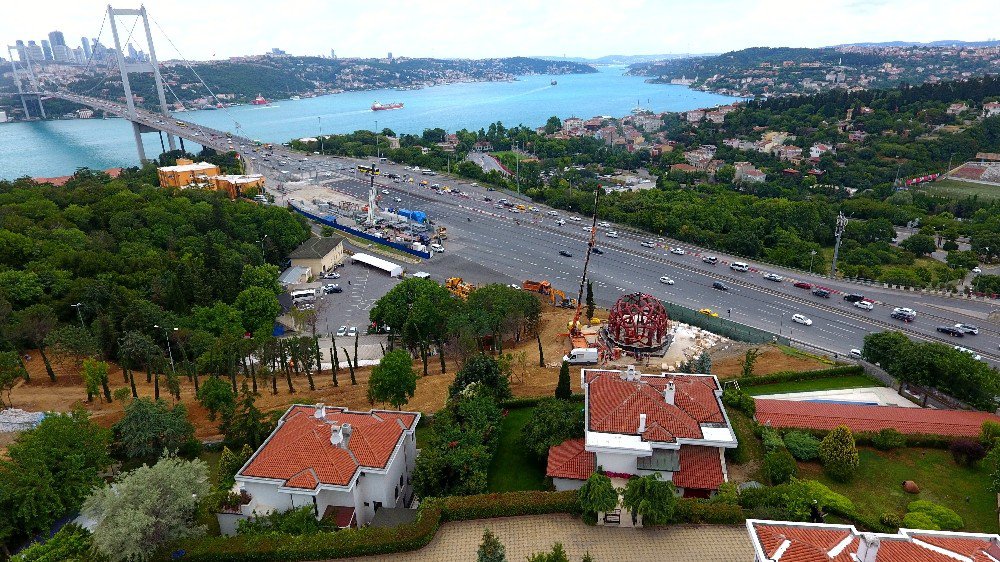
column 375, row 540
column 690, row 510
column 791, row 376
column 870, row 438
column 515, row 403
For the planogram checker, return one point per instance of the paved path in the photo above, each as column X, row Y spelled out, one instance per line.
column 523, row 536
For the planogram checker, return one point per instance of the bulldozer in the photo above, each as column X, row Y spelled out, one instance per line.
column 458, row 287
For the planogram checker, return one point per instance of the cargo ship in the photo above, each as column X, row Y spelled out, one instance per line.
column 259, row 100
column 384, row 107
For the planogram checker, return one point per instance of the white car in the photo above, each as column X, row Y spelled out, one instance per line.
column 352, row 332
column 603, row 224
column 773, row 277
column 437, row 247
column 666, row 280
column 612, row 234
column 977, row 270
column 398, row 200
column 342, row 331
column 331, row 275
column 552, row 214
column 586, row 229
column 385, row 192
column 800, row 319
column 575, row 219
column 560, row 222
column 856, row 353
column 648, row 244
column 677, row 251
column 974, row 355
column 865, row 305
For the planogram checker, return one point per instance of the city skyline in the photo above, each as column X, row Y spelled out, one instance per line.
column 457, row 30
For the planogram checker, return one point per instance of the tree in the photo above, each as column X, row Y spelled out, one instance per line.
column 246, row 425
column 48, row 472
column 839, row 454
column 552, row 422
column 73, row 343
column 393, row 380
column 216, row 396
column 149, row 427
column 779, row 466
column 264, row 276
column 148, row 508
column 493, row 377
column 491, row 549
column 591, row 305
column 258, row 308
column 598, row 494
column 654, row 499
column 563, row 389
column 230, row 463
column 557, row 554
column 748, row 362
column 33, row 325
column 993, row 464
column 95, row 377
column 919, row 244
column 11, row 373
column 552, row 125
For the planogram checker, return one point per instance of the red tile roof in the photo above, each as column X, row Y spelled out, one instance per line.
column 909, row 421
column 569, row 460
column 815, row 543
column 701, row 468
column 614, row 405
column 299, row 451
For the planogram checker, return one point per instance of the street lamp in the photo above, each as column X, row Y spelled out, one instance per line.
column 320, row 119
column 79, row 305
column 812, row 254
column 262, row 256
column 170, row 353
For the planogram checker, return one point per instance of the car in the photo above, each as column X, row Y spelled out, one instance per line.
column 597, row 250
column 487, row 199
column 612, row 234
column 560, row 222
column 865, row 305
column 491, row 189
column 397, row 200
column 709, row 312
column 974, row 355
column 968, row 328
column 647, row 244
column 803, row 285
column 514, row 286
column 821, row 293
column 552, row 214
column 437, row 247
column 330, row 275
column 604, row 224
column 905, row 310
column 565, row 254
column 352, row 332
column 854, row 297
column 676, row 250
column 586, row 229
column 977, row 270
column 951, row 331
column 720, row 286
column 898, row 314
column 332, row 288
column 385, row 192
column 801, row 319
column 773, row 277
column 856, row 353
column 342, row 331
column 666, row 280
column 575, row 219
column 710, row 259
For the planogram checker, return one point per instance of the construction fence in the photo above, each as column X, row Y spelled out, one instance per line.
column 722, row 326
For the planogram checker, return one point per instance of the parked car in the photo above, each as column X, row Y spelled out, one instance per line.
column 821, row 293
column 647, row 244
column 352, row 332
column 341, row 331
column 331, row 275
column 709, row 312
column 977, row 270
column 575, row 219
column 330, row 289
column 710, row 259
column 968, row 328
column 803, row 285
column 720, row 286
column 855, row 353
column 854, row 297
column 666, row 280
column 865, row 305
column 437, row 247
column 565, row 254
column 560, row 222
column 552, row 214
column 677, row 251
column 801, row 319
column 951, row 331
column 773, row 277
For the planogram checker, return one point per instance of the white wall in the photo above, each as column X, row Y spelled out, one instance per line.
column 616, row 463
column 564, row 484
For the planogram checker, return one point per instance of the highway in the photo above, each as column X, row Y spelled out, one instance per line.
column 490, row 244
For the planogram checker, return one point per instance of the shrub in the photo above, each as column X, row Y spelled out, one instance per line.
column 826, row 498
column 552, row 422
column 967, row 452
column 890, row 520
column 771, row 438
column 917, row 520
column 493, row 375
column 696, row 511
column 989, row 434
column 72, row 542
column 944, row 518
column 299, row 521
column 508, row 504
column 563, row 388
column 735, row 398
column 791, row 376
column 216, row 395
column 779, row 466
column 888, row 439
column 839, row 454
column 801, row 445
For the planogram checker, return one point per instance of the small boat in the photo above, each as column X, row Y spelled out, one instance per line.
column 296, row 98
column 553, row 83
column 385, row 107
column 259, row 100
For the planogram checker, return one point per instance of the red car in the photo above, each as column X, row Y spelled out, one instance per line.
column 804, row 285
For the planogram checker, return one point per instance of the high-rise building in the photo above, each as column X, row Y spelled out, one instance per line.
column 99, row 50
column 78, row 56
column 46, row 49
column 390, row 57
column 35, row 51
column 87, row 53
column 62, row 53
column 333, row 54
column 22, row 51
column 56, row 38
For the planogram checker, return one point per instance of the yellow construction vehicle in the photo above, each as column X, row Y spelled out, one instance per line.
column 540, row 287
column 458, row 287
column 558, row 298
column 442, row 233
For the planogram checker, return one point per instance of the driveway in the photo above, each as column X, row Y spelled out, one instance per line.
column 523, row 536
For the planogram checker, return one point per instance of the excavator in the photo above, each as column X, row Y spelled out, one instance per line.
column 458, row 287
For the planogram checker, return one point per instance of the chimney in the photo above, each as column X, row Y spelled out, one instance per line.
column 336, row 435
column 345, row 431
column 642, row 424
column 630, row 373
column 320, row 412
column 669, row 392
column 868, row 547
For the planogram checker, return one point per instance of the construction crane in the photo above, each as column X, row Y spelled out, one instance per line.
column 574, row 328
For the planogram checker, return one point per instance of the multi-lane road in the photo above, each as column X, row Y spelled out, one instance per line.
column 500, row 245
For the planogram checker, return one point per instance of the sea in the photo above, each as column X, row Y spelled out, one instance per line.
column 55, row 148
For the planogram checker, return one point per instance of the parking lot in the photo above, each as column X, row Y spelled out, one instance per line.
column 361, row 286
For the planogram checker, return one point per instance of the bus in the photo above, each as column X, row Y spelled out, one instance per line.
column 305, row 295
column 370, row 170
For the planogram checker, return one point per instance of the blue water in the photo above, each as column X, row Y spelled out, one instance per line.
column 55, row 148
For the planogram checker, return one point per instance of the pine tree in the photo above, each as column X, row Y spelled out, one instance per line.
column 590, row 299
column 491, row 549
column 563, row 389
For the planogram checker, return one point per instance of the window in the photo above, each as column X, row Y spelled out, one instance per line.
column 401, row 479
column 666, row 460
column 397, row 492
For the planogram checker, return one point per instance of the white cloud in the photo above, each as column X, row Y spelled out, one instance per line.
column 460, row 28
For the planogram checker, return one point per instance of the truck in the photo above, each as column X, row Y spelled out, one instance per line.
column 581, row 356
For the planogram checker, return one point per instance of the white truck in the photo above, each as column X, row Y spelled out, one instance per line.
column 581, row 356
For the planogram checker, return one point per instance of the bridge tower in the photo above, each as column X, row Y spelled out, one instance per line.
column 138, row 67
column 33, row 81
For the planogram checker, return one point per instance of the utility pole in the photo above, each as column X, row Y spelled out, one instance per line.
column 839, row 232
column 320, row 119
column 78, row 306
column 812, row 254
column 170, row 353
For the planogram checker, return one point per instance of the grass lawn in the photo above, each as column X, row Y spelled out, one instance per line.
column 956, row 188
column 877, row 488
column 211, row 458
column 792, row 352
column 513, row 468
column 750, row 468
column 832, row 383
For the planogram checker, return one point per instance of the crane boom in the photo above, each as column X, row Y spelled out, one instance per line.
column 586, row 262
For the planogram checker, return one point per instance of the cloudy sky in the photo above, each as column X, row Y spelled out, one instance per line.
column 445, row 28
